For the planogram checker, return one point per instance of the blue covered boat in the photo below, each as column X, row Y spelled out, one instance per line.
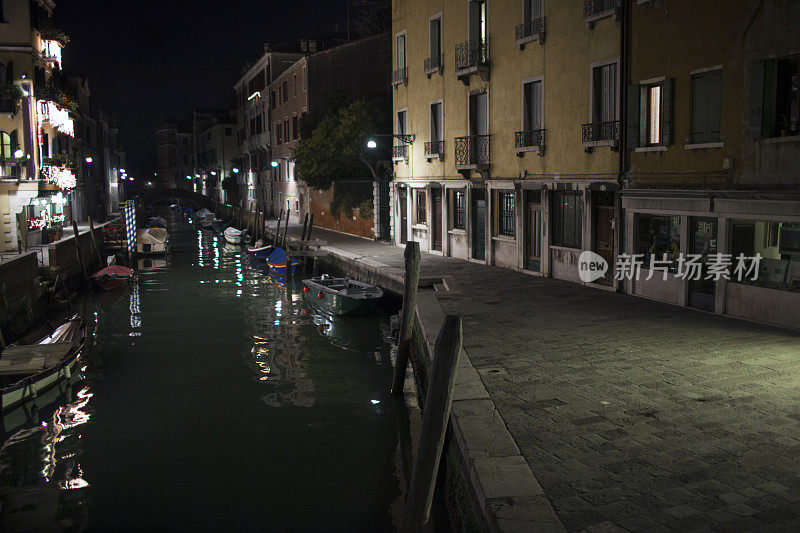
column 259, row 251
column 277, row 261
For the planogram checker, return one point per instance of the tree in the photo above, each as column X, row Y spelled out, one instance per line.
column 334, row 150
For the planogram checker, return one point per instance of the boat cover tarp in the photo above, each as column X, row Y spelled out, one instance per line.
column 153, row 236
column 111, row 271
column 278, row 256
column 233, row 232
column 203, row 213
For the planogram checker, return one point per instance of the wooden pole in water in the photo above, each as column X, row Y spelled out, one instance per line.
column 305, row 227
column 94, row 243
column 410, row 285
column 438, row 400
column 78, row 250
column 285, row 229
column 277, row 230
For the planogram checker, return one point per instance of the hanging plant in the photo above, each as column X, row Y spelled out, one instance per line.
column 51, row 34
column 47, row 92
column 60, row 160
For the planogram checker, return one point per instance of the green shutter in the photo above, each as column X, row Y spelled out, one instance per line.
column 699, row 109
column 667, row 90
column 770, row 91
column 714, row 85
column 756, row 117
column 632, row 117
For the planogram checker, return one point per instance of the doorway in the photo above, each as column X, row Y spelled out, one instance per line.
column 604, row 232
column 703, row 242
column 436, row 197
column 479, row 224
column 533, row 229
column 402, row 192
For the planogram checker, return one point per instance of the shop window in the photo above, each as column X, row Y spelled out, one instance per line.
column 459, row 203
column 505, row 213
column 778, row 244
column 657, row 236
column 567, row 219
column 419, row 200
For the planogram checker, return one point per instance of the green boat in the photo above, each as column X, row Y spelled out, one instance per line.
column 341, row 296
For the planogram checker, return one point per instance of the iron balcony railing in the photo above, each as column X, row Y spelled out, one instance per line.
column 530, row 27
column 473, row 53
column 472, row 150
column 595, row 7
column 400, row 76
column 400, row 151
column 434, row 148
column 434, row 63
column 525, row 139
column 600, row 131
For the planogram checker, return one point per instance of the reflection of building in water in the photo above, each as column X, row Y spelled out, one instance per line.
column 136, row 317
column 277, row 355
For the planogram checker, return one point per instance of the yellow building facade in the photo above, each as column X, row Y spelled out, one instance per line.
column 514, row 108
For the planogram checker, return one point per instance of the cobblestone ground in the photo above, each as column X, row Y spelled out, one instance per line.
column 631, row 413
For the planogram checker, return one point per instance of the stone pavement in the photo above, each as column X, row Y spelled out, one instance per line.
column 631, row 413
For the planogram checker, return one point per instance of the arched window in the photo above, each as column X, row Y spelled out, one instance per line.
column 6, row 166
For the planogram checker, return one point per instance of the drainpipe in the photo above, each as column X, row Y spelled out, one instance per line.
column 624, row 50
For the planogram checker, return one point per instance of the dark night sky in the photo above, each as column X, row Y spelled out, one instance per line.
column 149, row 60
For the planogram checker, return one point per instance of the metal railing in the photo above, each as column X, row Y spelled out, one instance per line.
column 400, row 76
column 524, row 139
column 530, row 27
column 600, row 131
column 472, row 54
column 595, row 7
column 434, row 148
column 434, row 63
column 472, row 150
column 400, row 151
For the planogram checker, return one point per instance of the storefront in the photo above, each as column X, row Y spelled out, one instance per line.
column 45, row 216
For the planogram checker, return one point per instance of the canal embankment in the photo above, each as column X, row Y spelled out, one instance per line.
column 489, row 485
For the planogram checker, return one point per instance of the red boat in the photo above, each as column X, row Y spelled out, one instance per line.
column 111, row 277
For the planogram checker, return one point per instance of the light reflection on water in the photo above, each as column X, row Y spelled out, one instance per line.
column 213, row 400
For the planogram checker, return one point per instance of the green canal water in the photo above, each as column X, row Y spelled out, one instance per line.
column 213, row 400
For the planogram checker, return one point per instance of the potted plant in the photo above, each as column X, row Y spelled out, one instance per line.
column 54, row 233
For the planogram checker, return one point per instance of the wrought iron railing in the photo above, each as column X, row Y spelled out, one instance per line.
column 600, row 131
column 530, row 27
column 524, row 139
column 434, row 148
column 400, row 76
column 400, row 151
column 595, row 7
column 472, row 150
column 434, row 63
column 472, row 54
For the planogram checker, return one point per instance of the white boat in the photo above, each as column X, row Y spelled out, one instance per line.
column 152, row 241
column 26, row 370
column 204, row 218
column 235, row 236
column 341, row 296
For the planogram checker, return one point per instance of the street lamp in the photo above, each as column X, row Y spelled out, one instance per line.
column 407, row 139
column 274, row 164
column 88, row 159
column 235, row 170
column 18, row 153
column 372, row 144
column 213, row 172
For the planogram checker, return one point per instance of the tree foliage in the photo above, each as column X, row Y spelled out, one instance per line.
column 334, row 148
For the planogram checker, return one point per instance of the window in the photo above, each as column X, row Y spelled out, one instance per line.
column 531, row 10
column 477, row 21
column 294, row 85
column 401, row 122
column 273, row 99
column 650, row 113
column 706, row 97
column 435, row 44
column 400, row 51
column 532, row 105
column 304, row 80
column 419, row 200
column 285, row 91
column 6, row 153
column 295, row 128
column 775, row 98
column 459, row 202
column 778, row 243
column 278, row 131
column 567, row 220
column 657, row 235
column 436, row 122
column 505, row 213
column 604, row 93
column 653, row 114
column 286, row 131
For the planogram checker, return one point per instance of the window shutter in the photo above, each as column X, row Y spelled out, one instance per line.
column 770, row 91
column 699, row 109
column 714, row 85
column 435, row 49
column 756, row 116
column 537, row 105
column 633, row 115
column 474, row 20
column 667, row 90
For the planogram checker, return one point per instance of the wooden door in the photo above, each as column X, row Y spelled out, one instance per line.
column 403, row 193
column 604, row 239
column 436, row 226
column 479, row 224
column 534, row 235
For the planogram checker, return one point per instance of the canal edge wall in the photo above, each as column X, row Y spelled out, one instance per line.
column 481, row 452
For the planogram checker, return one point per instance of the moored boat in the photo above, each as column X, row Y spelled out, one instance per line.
column 26, row 370
column 152, row 241
column 156, row 222
column 341, row 296
column 260, row 251
column 235, row 236
column 111, row 277
column 277, row 261
column 204, row 218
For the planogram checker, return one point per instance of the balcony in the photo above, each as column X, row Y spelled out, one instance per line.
column 400, row 153
column 529, row 141
column 434, row 149
column 594, row 10
column 472, row 152
column 529, row 31
column 472, row 57
column 600, row 134
column 434, row 65
column 400, row 77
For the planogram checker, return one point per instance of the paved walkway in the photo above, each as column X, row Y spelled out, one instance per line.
column 631, row 413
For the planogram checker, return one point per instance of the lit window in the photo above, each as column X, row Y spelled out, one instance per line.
column 654, row 114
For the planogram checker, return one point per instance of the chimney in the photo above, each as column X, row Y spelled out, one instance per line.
column 267, row 48
column 303, row 45
column 312, row 46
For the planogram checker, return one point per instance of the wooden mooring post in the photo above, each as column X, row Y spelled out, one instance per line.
column 438, row 401
column 410, row 285
column 78, row 250
column 285, row 229
column 94, row 243
column 277, row 230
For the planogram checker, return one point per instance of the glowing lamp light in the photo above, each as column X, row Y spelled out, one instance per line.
column 235, row 170
column 274, row 164
column 18, row 153
column 372, row 144
column 61, row 177
column 197, row 175
column 213, row 172
column 122, row 170
column 89, row 159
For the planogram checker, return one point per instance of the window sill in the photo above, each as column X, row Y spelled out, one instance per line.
column 537, row 149
column 779, row 140
column 419, row 226
column 431, row 157
column 457, row 231
column 645, row 149
column 529, row 39
column 592, row 19
column 704, row 146
column 595, row 144
column 504, row 238
column 565, row 248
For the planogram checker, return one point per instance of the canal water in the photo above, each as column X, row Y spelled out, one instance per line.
column 213, row 400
